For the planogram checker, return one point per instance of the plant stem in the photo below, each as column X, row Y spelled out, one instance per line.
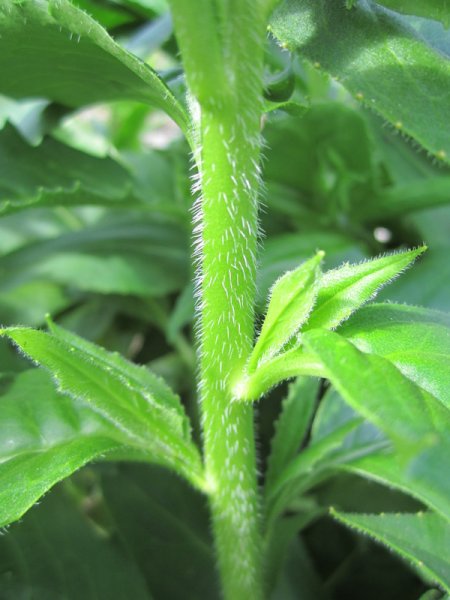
column 223, row 60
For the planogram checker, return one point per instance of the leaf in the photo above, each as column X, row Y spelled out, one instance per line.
column 44, row 437
column 56, row 552
column 438, row 10
column 408, row 197
column 48, row 42
column 422, row 479
column 132, row 254
column 376, row 389
column 379, row 59
column 345, row 289
column 139, row 405
column 291, row 300
column 55, row 174
column 292, row 425
column 162, row 521
column 422, row 538
column 415, row 340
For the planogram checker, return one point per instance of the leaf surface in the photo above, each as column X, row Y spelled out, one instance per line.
column 138, row 404
column 55, row 50
column 422, row 538
column 291, row 300
column 415, row 340
column 44, row 437
column 345, row 289
column 379, row 59
column 56, row 552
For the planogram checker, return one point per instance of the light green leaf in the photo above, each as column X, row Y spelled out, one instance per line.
column 44, row 437
column 56, row 552
column 415, row 340
column 291, row 300
column 54, row 174
column 345, row 289
column 422, row 538
column 376, row 389
column 439, row 10
column 48, row 42
column 378, row 59
column 130, row 397
column 292, row 425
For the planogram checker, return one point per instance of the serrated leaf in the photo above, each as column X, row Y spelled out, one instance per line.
column 422, row 538
column 376, row 389
column 345, row 289
column 56, row 552
column 44, row 437
column 54, row 174
column 292, row 424
column 130, row 397
column 415, row 340
column 55, row 41
column 377, row 58
column 291, row 300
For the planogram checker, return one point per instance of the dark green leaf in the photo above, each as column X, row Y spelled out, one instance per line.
column 56, row 552
column 429, row 9
column 378, row 59
column 292, row 425
column 165, row 524
column 422, row 538
column 55, row 41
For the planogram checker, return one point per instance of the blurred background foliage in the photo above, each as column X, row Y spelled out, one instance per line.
column 104, row 247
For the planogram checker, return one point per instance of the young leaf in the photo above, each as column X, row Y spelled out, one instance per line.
column 55, row 41
column 291, row 300
column 415, row 340
column 44, row 437
column 377, row 58
column 345, row 289
column 292, row 425
column 57, row 552
column 422, row 538
column 135, row 401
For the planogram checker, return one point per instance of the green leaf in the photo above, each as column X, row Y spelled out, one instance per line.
column 376, row 389
column 136, row 402
column 415, row 340
column 422, row 538
column 44, row 437
column 291, row 300
column 165, row 525
column 48, row 42
column 54, row 174
column 56, row 552
column 345, row 289
column 292, row 425
column 422, row 479
column 380, row 60
column 439, row 10
column 133, row 254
